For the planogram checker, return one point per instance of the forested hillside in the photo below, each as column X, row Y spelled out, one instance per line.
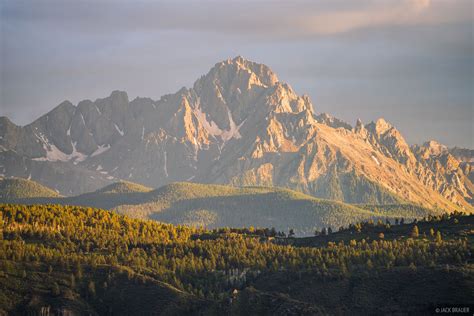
column 213, row 206
column 66, row 259
column 18, row 188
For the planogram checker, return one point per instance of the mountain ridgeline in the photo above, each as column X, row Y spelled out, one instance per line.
column 237, row 125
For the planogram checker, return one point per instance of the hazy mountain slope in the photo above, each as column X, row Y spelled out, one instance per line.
column 67, row 178
column 17, row 188
column 215, row 206
column 222, row 206
column 238, row 124
column 108, row 197
column 124, row 187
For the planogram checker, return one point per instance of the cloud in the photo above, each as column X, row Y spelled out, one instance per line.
column 420, row 4
column 376, row 14
column 249, row 18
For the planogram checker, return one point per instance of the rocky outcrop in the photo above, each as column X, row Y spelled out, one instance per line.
column 445, row 173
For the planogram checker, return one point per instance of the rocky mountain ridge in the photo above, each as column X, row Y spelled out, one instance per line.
column 237, row 125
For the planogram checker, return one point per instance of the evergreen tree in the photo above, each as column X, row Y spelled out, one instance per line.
column 55, row 289
column 432, row 232
column 78, row 271
column 203, row 262
column 291, row 233
column 369, row 264
column 91, row 288
column 72, row 281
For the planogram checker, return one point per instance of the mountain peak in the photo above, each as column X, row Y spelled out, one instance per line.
column 332, row 121
column 66, row 105
column 239, row 73
column 434, row 147
column 119, row 96
column 239, row 59
column 379, row 127
column 360, row 128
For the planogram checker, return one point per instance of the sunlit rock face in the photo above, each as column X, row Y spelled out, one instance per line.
column 238, row 125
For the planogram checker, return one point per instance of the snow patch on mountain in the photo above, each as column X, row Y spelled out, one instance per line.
column 213, row 129
column 376, row 160
column 53, row 153
column 233, row 131
column 165, row 165
column 100, row 150
column 121, row 132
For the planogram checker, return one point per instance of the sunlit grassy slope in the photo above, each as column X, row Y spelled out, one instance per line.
column 18, row 188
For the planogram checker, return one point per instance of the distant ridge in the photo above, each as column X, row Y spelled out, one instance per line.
column 124, row 187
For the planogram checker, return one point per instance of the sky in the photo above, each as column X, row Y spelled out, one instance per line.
column 409, row 61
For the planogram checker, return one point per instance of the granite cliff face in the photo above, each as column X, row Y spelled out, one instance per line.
column 238, row 125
